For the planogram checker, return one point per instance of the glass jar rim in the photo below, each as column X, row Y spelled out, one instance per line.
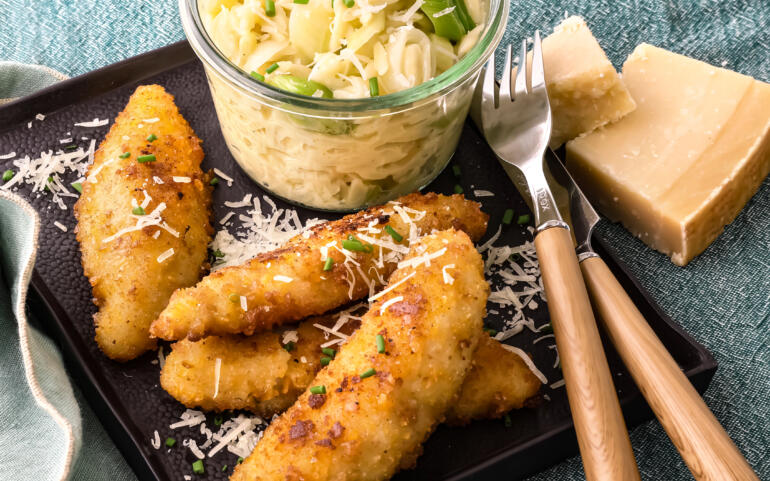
column 470, row 63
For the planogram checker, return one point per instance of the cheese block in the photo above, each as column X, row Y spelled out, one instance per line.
column 683, row 164
column 583, row 87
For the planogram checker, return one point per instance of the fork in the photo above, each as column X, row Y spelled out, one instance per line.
column 517, row 125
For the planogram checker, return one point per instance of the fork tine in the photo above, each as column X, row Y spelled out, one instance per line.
column 538, row 73
column 488, row 87
column 505, row 82
column 521, row 74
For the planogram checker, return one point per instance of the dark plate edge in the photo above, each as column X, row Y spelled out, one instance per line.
column 95, row 389
column 135, row 69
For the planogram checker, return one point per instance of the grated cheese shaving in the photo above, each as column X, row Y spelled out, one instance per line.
column 281, row 278
column 181, row 179
column 93, row 123
column 385, row 305
column 531, row 365
column 244, row 304
column 224, row 177
column 61, row 226
column 165, row 255
column 155, row 440
column 390, row 288
column 448, row 279
column 217, row 370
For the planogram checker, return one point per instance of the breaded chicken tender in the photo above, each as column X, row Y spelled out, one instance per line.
column 143, row 220
column 258, row 374
column 498, row 382
column 367, row 413
column 293, row 282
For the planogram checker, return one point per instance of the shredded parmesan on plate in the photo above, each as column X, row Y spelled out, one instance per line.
column 280, row 278
column 181, row 179
column 9, row 155
column 93, row 123
column 155, row 440
column 224, row 177
column 61, row 226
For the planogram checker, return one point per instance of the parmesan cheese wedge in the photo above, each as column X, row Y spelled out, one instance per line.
column 584, row 89
column 683, row 164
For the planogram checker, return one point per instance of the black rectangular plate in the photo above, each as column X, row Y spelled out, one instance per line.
column 127, row 397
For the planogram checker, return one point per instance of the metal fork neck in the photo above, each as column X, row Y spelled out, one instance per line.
column 543, row 203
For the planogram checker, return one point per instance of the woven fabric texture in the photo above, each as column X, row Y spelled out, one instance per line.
column 722, row 298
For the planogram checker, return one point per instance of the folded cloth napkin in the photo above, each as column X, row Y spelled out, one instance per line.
column 43, row 421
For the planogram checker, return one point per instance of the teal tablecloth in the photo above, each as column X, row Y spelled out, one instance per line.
column 722, row 297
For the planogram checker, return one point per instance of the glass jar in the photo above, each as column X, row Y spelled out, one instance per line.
column 341, row 154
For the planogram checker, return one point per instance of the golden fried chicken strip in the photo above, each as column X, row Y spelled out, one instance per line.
column 499, row 381
column 290, row 283
column 378, row 408
column 135, row 261
column 258, row 374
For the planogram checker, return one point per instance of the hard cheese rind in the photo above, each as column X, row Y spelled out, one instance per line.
column 683, row 164
column 584, row 89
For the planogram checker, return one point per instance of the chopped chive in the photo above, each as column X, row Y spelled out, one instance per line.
column 152, row 138
column 7, row 175
column 272, row 68
column 508, row 216
column 380, row 343
column 301, row 2
column 348, row 3
column 48, row 181
column 456, row 170
column 329, row 352
column 71, row 147
column 77, row 186
column 270, row 8
column 198, row 467
column 328, row 264
column 125, row 155
column 240, row 460
column 515, row 257
column 318, row 390
column 353, row 244
column 170, row 442
column 138, row 210
column 368, row 373
column 458, row 189
column 218, row 254
column 374, row 87
column 218, row 420
column 224, row 467
column 507, row 421
column 234, row 297
column 490, row 331
column 214, row 181
column 257, row 76
column 523, row 219
column 392, row 232
column 146, row 158
column 289, row 346
column 325, row 361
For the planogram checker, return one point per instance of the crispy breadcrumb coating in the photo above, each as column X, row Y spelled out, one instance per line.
column 368, row 413
column 264, row 375
column 130, row 284
column 290, row 284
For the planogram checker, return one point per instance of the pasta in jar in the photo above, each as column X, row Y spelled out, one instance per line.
column 342, row 49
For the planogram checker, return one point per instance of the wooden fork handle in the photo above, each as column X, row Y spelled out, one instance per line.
column 703, row 443
column 601, row 430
